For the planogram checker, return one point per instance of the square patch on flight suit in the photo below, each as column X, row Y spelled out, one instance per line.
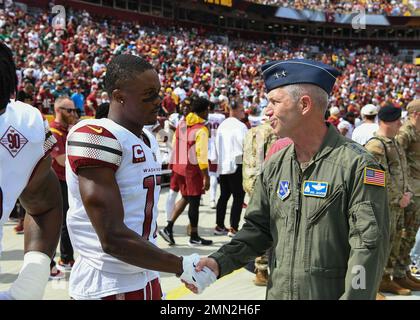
column 315, row 189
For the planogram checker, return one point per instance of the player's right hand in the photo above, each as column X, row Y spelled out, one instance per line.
column 195, row 280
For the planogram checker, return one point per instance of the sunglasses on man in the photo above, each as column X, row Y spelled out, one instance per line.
column 69, row 110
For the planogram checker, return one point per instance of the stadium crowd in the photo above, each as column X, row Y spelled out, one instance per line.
column 72, row 62
column 384, row 7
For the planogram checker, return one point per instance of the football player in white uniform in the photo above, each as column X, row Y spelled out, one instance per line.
column 25, row 173
column 214, row 121
column 113, row 175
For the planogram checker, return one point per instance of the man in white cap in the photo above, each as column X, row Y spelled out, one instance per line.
column 365, row 131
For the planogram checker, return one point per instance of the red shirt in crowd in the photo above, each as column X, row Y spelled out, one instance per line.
column 277, row 146
column 60, row 133
column 92, row 99
column 169, row 104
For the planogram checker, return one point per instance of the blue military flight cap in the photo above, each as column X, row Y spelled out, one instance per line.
column 282, row 73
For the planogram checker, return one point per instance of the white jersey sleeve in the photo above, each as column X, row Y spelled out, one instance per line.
column 93, row 146
column 25, row 140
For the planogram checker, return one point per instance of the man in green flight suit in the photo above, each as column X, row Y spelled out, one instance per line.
column 321, row 203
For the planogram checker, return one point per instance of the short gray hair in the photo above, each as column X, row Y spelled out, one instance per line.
column 318, row 95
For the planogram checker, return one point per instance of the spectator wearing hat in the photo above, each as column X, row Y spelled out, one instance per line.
column 365, row 131
column 386, row 149
column 334, row 117
column 59, row 90
column 346, row 125
column 409, row 139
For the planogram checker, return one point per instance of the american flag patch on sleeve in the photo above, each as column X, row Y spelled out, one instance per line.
column 374, row 176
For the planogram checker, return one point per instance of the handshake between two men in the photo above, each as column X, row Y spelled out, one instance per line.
column 199, row 273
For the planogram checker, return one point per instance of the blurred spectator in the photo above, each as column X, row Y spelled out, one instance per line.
column 384, row 7
column 65, row 117
column 346, row 125
column 59, row 90
column 78, row 99
column 334, row 117
column 168, row 104
column 104, row 98
column 102, row 111
column 201, row 63
column 45, row 99
column 229, row 149
column 365, row 131
column 26, row 95
column 91, row 103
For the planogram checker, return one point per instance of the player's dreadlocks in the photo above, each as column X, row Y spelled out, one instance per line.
column 8, row 79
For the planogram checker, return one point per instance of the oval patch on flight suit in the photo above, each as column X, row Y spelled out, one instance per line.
column 315, row 189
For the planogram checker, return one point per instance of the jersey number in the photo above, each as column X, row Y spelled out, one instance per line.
column 149, row 184
column 14, row 141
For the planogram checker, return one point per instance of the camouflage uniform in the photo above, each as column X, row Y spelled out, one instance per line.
column 392, row 157
column 258, row 141
column 409, row 139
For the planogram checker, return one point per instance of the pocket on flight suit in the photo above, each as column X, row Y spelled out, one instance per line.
column 365, row 224
column 330, row 204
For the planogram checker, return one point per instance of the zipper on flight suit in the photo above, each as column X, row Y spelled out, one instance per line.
column 296, row 229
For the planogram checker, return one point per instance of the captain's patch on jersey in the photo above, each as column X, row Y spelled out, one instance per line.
column 375, row 177
column 13, row 141
column 138, row 154
column 284, row 190
column 315, row 189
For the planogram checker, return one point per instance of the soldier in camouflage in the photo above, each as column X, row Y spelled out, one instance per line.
column 409, row 139
column 392, row 157
column 258, row 141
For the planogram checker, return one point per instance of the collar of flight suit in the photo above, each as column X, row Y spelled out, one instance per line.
column 328, row 145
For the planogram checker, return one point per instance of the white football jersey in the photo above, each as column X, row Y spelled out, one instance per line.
column 214, row 120
column 25, row 139
column 102, row 142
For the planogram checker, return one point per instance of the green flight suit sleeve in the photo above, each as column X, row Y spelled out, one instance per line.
column 368, row 218
column 253, row 239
